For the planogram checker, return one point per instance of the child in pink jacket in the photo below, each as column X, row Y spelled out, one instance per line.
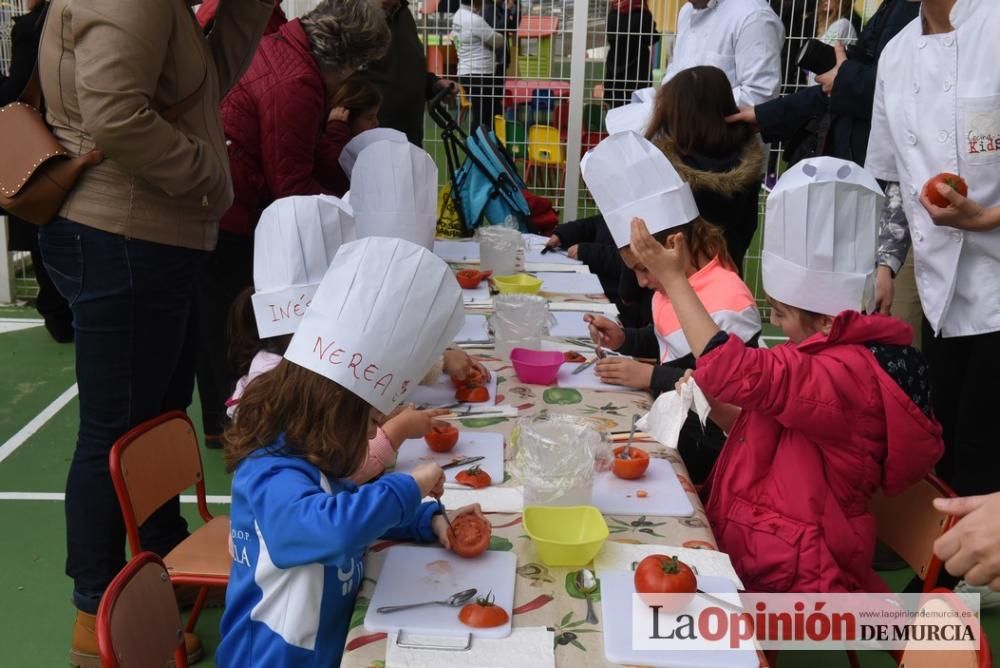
column 819, row 424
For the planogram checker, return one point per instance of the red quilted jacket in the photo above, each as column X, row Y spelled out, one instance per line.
column 823, row 427
column 275, row 123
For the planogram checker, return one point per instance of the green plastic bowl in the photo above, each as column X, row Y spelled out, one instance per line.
column 566, row 535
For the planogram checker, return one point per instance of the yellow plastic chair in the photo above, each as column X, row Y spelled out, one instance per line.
column 500, row 129
column 545, row 150
column 463, row 104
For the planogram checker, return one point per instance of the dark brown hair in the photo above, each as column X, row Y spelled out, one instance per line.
column 692, row 107
column 357, row 95
column 244, row 340
column 322, row 422
column 704, row 239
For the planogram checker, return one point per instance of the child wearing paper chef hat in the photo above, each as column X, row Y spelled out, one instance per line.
column 383, row 313
column 820, row 424
column 629, row 177
column 294, row 244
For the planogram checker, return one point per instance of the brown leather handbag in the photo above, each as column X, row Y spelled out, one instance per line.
column 37, row 173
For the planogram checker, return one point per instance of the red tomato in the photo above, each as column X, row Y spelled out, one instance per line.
column 470, row 278
column 483, row 614
column 474, row 477
column 573, row 357
column 954, row 181
column 660, row 574
column 469, row 535
column 472, row 394
column 629, row 465
column 442, row 439
column 475, row 377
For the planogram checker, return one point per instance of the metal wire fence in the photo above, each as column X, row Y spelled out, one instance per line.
column 545, row 86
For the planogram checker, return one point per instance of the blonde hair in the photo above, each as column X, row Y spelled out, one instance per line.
column 346, row 33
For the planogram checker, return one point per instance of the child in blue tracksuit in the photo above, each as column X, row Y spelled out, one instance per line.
column 299, row 528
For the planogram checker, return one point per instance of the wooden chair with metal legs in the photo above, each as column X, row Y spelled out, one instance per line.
column 151, row 464
column 941, row 605
column 138, row 623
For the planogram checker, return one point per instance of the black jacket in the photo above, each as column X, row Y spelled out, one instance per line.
column 850, row 102
column 402, row 77
column 24, row 37
column 627, row 65
column 725, row 187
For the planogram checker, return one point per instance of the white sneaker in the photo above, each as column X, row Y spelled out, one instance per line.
column 988, row 599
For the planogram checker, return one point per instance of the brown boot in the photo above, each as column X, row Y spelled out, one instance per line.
column 84, row 654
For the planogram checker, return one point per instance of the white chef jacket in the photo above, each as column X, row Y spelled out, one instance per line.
column 743, row 38
column 937, row 109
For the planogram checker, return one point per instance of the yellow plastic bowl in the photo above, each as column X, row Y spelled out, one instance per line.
column 518, row 283
column 566, row 535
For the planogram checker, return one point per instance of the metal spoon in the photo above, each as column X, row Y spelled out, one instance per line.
column 455, row 600
column 631, row 435
column 586, row 584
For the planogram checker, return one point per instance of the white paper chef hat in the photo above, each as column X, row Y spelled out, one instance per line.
column 394, row 193
column 294, row 244
column 820, row 237
column 630, row 178
column 382, row 316
column 633, row 117
column 351, row 151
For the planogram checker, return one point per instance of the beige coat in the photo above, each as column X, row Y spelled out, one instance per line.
column 106, row 68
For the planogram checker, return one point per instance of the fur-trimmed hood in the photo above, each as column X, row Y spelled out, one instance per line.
column 747, row 171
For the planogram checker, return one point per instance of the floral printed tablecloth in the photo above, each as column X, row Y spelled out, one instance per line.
column 546, row 596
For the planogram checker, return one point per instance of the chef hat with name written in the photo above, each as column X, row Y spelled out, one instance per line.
column 820, row 237
column 351, row 151
column 382, row 316
column 630, row 178
column 394, row 193
column 633, row 117
column 294, row 244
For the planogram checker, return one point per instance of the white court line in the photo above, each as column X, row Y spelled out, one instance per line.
column 37, row 422
column 37, row 321
column 59, row 496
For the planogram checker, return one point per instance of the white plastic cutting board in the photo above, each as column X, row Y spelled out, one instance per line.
column 470, row 444
column 411, row 574
column 616, row 604
column 457, row 251
column 479, row 295
column 442, row 393
column 666, row 497
column 570, row 324
column 585, row 380
column 473, row 330
column 567, row 283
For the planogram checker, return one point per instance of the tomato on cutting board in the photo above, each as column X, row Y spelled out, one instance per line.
column 442, row 439
column 660, row 574
column 475, row 377
column 630, row 462
column 483, row 614
column 472, row 394
column 953, row 181
column 573, row 357
column 469, row 535
column 474, row 477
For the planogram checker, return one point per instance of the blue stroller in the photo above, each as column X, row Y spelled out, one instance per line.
column 485, row 187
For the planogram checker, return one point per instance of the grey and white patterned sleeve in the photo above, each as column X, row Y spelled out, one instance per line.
column 893, row 230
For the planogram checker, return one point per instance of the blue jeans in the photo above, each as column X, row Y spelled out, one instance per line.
column 134, row 360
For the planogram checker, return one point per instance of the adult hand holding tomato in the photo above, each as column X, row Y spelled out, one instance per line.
column 946, row 201
column 660, row 574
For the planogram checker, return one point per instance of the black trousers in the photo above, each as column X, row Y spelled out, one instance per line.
column 485, row 94
column 965, row 377
column 228, row 271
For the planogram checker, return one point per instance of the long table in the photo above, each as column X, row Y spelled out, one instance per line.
column 545, row 596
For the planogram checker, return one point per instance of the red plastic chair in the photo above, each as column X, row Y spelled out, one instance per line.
column 138, row 623
column 942, row 601
column 152, row 463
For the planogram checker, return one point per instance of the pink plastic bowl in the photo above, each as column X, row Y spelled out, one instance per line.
column 536, row 367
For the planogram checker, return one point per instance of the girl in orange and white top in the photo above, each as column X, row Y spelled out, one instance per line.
column 664, row 196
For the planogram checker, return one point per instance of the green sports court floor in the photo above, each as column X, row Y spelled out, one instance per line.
column 38, row 416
